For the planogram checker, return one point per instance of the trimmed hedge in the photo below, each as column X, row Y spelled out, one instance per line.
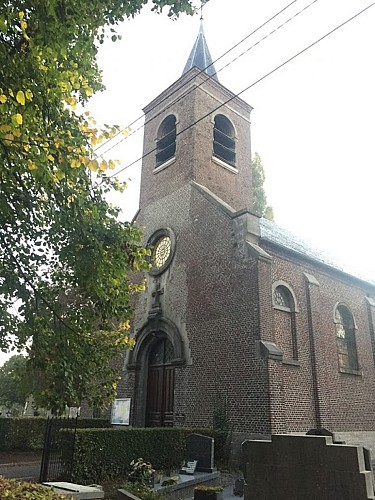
column 103, row 454
column 22, row 433
column 27, row 433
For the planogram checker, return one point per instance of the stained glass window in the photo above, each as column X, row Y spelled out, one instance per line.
column 282, row 297
column 161, row 252
column 346, row 344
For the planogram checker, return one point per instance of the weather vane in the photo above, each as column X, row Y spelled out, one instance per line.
column 201, row 8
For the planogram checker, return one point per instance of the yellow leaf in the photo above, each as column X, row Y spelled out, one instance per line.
column 17, row 119
column 20, row 97
column 93, row 165
column 5, row 128
column 31, row 165
column 103, row 165
column 23, row 25
column 89, row 91
column 51, row 158
column 11, row 93
column 29, row 94
column 3, row 98
column 8, row 138
column 111, row 164
column 75, row 164
column 21, row 15
column 17, row 133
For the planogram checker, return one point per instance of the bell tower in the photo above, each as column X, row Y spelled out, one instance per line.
column 197, row 130
column 195, row 189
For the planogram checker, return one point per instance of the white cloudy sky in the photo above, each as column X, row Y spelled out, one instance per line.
column 313, row 120
column 312, row 123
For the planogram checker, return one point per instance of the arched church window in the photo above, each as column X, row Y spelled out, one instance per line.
column 224, row 140
column 346, row 343
column 161, row 353
column 166, row 140
column 285, row 321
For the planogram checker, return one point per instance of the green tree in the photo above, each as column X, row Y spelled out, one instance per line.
column 260, row 206
column 14, row 382
column 65, row 259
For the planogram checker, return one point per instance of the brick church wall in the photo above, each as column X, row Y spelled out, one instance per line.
column 345, row 400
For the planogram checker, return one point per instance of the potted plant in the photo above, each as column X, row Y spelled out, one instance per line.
column 141, row 472
column 208, row 493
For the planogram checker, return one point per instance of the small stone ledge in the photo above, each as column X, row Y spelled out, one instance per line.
column 291, row 362
column 269, row 350
column 311, row 279
column 370, row 301
column 257, row 252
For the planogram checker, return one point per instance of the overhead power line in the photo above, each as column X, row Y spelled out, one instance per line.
column 201, row 71
column 287, row 61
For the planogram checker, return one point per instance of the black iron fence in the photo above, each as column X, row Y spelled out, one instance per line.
column 58, row 449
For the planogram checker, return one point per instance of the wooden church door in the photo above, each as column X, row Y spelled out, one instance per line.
column 160, row 385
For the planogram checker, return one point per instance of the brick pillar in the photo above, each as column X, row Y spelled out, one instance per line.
column 314, row 329
column 371, row 319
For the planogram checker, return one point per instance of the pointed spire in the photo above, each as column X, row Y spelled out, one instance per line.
column 200, row 56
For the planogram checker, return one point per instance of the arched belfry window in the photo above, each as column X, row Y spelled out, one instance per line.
column 224, row 140
column 284, row 304
column 166, row 140
column 346, row 344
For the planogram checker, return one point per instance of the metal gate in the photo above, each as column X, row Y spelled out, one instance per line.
column 58, row 449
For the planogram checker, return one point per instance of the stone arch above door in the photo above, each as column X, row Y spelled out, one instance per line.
column 148, row 333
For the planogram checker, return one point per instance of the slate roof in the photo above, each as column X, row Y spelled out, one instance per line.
column 200, row 56
column 275, row 234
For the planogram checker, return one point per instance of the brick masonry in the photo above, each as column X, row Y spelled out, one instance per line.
column 217, row 304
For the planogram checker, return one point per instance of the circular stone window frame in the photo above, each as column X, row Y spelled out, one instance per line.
column 153, row 240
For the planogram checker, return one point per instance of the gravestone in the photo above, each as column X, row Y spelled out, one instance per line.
column 309, row 467
column 201, row 449
column 238, row 489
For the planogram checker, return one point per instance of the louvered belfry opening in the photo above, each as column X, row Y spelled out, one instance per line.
column 166, row 140
column 224, row 140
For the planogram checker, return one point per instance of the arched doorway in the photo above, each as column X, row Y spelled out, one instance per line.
column 160, row 384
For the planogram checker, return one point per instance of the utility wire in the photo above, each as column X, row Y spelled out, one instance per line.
column 201, row 71
column 47, row 141
column 253, row 84
column 209, row 77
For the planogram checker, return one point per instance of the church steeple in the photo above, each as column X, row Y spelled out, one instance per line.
column 200, row 56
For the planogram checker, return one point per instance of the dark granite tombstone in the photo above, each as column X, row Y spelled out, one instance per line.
column 321, row 431
column 201, row 448
column 238, row 489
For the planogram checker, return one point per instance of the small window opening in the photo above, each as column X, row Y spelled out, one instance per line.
column 166, row 140
column 346, row 344
column 224, row 141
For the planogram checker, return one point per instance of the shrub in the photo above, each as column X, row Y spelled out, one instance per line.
column 21, row 433
column 27, row 433
column 207, row 492
column 143, row 492
column 15, row 490
column 104, row 454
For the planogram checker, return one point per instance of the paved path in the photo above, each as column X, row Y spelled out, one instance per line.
column 20, row 465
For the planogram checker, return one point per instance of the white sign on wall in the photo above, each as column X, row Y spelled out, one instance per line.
column 121, row 411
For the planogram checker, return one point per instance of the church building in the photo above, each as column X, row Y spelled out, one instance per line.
column 239, row 317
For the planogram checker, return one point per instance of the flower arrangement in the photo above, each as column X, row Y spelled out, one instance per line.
column 141, row 471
